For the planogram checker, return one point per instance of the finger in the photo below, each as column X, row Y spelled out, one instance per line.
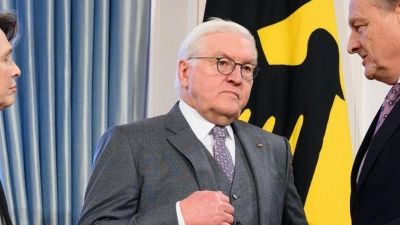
column 228, row 208
column 228, row 218
column 223, row 197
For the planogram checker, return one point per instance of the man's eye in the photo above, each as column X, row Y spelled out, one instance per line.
column 223, row 63
column 247, row 68
column 359, row 29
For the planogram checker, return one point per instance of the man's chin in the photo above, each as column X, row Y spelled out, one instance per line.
column 233, row 116
column 381, row 76
column 369, row 75
column 230, row 116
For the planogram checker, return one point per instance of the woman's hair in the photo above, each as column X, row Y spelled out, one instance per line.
column 9, row 25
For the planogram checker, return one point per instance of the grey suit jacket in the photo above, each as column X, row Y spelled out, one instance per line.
column 142, row 169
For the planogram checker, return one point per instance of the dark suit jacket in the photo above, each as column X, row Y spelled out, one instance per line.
column 3, row 206
column 376, row 197
column 142, row 169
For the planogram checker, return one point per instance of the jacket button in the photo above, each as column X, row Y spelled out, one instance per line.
column 238, row 223
column 234, row 196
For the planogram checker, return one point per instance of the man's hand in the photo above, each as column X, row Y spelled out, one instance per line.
column 207, row 208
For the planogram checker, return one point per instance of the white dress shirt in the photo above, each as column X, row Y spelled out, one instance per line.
column 201, row 128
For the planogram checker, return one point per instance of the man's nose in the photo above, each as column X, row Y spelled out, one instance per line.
column 354, row 44
column 236, row 74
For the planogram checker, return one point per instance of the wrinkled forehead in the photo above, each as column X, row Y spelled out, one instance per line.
column 359, row 10
column 225, row 44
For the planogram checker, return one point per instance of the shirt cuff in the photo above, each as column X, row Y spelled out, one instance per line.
column 179, row 214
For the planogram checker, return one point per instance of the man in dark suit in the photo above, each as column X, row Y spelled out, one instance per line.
column 175, row 169
column 375, row 178
column 8, row 72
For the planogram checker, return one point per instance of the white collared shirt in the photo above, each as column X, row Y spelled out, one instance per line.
column 201, row 128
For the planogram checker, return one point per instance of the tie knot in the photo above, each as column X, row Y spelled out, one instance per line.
column 394, row 92
column 218, row 132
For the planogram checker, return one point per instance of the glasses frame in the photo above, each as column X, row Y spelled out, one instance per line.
column 255, row 71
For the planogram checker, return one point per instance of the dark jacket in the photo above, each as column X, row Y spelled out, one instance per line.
column 375, row 199
column 3, row 206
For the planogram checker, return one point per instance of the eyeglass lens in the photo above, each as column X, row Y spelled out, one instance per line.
column 227, row 65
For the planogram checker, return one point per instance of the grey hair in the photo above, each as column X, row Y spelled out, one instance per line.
column 387, row 5
column 194, row 42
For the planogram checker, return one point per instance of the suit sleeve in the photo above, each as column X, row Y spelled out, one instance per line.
column 113, row 192
column 293, row 208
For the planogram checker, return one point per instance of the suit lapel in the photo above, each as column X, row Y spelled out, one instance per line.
column 186, row 142
column 378, row 141
column 359, row 157
column 258, row 162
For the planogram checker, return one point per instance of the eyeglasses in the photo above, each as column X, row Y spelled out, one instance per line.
column 226, row 66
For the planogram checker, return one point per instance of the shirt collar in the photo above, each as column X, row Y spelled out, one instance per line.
column 200, row 126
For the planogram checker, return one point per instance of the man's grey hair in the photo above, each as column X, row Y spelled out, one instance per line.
column 388, row 5
column 194, row 42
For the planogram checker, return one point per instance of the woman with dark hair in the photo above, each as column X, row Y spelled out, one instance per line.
column 8, row 72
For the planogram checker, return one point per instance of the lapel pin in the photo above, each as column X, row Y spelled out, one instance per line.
column 259, row 145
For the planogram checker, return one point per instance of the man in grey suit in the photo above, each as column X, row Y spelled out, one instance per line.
column 162, row 170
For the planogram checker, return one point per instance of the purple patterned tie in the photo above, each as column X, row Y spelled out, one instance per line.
column 388, row 104
column 221, row 152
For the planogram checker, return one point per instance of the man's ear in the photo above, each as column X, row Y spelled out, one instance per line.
column 183, row 72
